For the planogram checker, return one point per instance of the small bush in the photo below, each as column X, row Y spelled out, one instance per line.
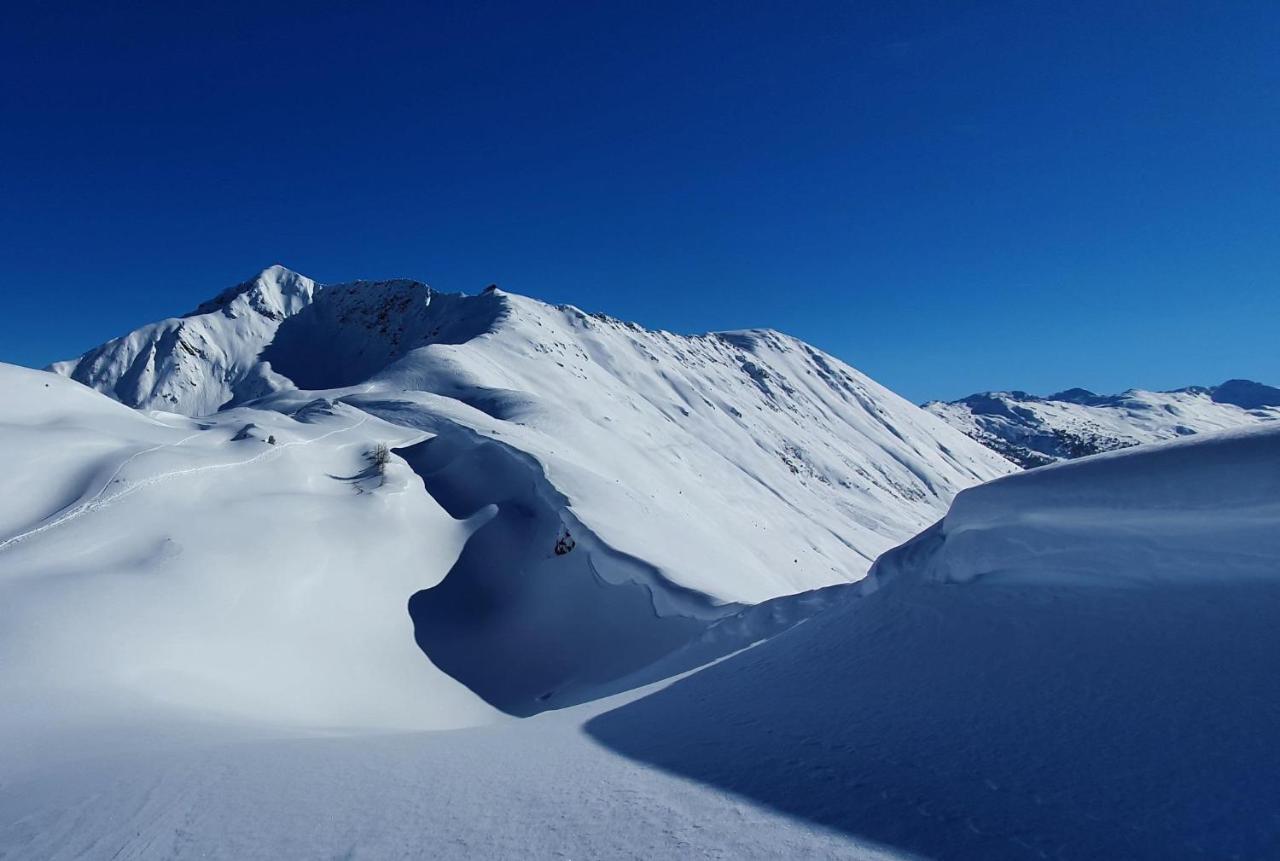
column 379, row 457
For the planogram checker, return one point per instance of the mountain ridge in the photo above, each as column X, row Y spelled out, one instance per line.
column 1034, row 430
column 616, row 490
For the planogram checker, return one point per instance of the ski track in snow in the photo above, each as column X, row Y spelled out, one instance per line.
column 99, row 501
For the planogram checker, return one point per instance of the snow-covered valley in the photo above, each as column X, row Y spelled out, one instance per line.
column 371, row 571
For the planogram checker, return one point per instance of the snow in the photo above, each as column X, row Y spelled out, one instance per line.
column 1033, row 431
column 642, row 431
column 197, row 363
column 693, row 475
column 168, row 568
column 1205, row 509
column 511, row 580
column 1062, row 668
column 997, row 688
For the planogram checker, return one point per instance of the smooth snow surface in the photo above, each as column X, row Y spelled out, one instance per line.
column 1078, row 662
column 157, row 564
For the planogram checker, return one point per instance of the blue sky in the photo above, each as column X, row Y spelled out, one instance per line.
column 951, row 197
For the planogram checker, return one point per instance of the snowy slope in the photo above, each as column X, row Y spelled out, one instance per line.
column 684, row 476
column 156, row 565
column 196, row 363
column 1032, row 431
column 653, row 428
column 1078, row 662
column 1070, row 665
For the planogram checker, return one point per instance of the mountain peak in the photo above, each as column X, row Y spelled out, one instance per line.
column 275, row 292
column 1246, row 394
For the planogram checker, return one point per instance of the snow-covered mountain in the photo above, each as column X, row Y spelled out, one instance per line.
column 1033, row 431
column 343, row 514
column 564, row 500
column 200, row 361
column 1076, row 662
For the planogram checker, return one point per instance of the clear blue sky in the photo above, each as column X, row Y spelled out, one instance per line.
column 952, row 197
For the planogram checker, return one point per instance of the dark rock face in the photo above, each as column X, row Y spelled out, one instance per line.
column 1246, row 394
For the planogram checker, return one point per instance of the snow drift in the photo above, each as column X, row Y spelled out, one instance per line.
column 154, row 567
column 1077, row 662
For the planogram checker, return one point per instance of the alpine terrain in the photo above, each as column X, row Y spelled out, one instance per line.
column 558, row 498
column 367, row 570
column 1032, row 431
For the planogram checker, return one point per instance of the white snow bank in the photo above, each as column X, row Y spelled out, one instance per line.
column 994, row 695
column 1206, row 507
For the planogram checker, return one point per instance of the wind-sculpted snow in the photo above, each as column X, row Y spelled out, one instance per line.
column 153, row 567
column 398, row 510
column 1078, row 662
column 537, row 612
column 1207, row 508
column 1033, row 431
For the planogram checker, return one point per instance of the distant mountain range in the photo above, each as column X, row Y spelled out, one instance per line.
column 1033, row 431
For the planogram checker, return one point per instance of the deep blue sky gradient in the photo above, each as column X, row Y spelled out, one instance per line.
column 949, row 196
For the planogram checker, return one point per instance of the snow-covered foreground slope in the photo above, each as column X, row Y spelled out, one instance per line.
column 1032, row 431
column 1077, row 662
column 154, row 565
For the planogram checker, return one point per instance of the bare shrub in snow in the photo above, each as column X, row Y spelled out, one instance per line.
column 379, row 457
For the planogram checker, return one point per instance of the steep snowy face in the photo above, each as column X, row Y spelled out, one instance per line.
column 643, row 432
column 197, row 363
column 680, row 450
column 352, row 331
column 277, row 331
column 1033, row 431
